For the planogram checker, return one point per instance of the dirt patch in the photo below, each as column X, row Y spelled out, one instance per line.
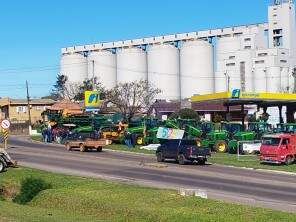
column 8, row 192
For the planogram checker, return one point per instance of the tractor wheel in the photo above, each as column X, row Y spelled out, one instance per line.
column 82, row 148
column 139, row 140
column 2, row 165
column 220, row 146
column 99, row 149
column 202, row 162
column 289, row 160
column 181, row 159
column 68, row 147
column 159, row 157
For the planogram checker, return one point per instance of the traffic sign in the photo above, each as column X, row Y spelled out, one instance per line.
column 5, row 124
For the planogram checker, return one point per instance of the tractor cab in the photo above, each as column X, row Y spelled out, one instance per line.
column 286, row 128
column 231, row 128
column 259, row 128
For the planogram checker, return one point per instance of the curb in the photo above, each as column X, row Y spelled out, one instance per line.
column 256, row 169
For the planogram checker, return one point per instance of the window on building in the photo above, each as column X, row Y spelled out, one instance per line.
column 230, row 64
column 247, row 39
column 262, row 54
column 283, row 61
column 259, row 62
column 248, row 47
column 277, row 31
column 21, row 109
column 231, row 57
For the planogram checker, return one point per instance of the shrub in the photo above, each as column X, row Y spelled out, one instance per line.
column 30, row 187
column 185, row 114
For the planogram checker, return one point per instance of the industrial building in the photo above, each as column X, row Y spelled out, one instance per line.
column 254, row 58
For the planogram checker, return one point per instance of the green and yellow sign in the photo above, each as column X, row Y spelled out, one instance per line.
column 92, row 100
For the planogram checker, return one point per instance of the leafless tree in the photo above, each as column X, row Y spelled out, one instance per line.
column 132, row 98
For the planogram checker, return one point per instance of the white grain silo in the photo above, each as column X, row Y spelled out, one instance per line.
column 196, row 68
column 74, row 66
column 273, row 79
column 285, row 80
column 225, row 46
column 220, row 82
column 260, row 80
column 102, row 64
column 131, row 65
column 163, row 70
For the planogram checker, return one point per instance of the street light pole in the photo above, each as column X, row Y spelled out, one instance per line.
column 93, row 74
column 227, row 81
column 29, row 107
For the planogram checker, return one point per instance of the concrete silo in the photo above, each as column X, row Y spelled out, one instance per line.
column 285, row 83
column 131, row 65
column 196, row 68
column 74, row 66
column 225, row 46
column 260, row 80
column 163, row 70
column 102, row 64
column 273, row 79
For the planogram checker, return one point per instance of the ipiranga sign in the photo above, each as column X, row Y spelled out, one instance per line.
column 168, row 133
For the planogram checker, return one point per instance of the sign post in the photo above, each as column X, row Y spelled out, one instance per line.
column 5, row 124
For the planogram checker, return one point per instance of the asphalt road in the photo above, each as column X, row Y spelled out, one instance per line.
column 271, row 190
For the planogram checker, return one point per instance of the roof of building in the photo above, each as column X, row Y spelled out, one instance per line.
column 9, row 101
column 65, row 105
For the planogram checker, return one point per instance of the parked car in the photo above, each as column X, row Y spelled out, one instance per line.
column 85, row 141
column 278, row 149
column 182, row 151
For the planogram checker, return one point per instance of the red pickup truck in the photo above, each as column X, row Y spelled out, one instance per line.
column 278, row 148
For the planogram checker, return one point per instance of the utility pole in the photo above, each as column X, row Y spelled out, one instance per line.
column 227, row 81
column 29, row 107
column 93, row 74
column 294, row 76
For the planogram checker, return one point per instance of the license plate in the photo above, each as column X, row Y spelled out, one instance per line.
column 267, row 158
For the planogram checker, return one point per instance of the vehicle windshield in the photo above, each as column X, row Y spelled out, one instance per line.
column 271, row 141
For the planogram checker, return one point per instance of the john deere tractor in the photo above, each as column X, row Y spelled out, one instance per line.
column 254, row 132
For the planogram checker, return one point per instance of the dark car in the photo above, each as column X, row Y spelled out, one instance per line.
column 182, row 151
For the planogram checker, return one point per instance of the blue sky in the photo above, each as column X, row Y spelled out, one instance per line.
column 34, row 31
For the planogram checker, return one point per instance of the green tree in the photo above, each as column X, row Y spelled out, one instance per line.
column 88, row 85
column 185, row 114
column 59, row 90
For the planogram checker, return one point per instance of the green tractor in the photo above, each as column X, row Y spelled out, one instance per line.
column 145, row 131
column 255, row 131
column 214, row 137
column 285, row 128
column 260, row 129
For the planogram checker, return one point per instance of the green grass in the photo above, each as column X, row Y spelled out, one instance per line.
column 37, row 138
column 251, row 161
column 81, row 199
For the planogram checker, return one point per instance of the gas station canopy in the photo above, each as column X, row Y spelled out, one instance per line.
column 236, row 97
column 262, row 99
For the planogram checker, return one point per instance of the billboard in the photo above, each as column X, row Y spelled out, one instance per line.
column 92, row 100
column 168, row 133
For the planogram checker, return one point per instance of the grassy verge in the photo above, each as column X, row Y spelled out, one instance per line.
column 81, row 199
column 37, row 138
column 251, row 161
